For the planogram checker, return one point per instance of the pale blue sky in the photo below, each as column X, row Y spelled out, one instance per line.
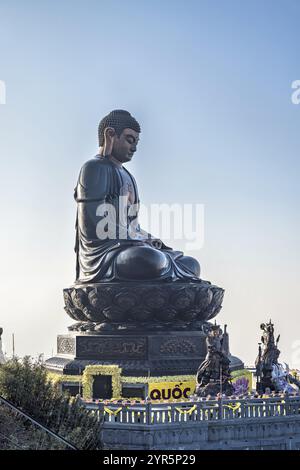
column 210, row 83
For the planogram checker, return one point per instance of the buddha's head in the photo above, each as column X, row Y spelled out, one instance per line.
column 118, row 134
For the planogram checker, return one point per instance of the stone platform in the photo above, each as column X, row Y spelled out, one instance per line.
column 157, row 353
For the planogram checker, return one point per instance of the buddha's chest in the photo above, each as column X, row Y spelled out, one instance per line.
column 127, row 187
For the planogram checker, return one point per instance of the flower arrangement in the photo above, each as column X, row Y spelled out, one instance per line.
column 59, row 378
column 88, row 379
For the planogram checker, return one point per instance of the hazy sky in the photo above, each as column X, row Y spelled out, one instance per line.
column 210, row 83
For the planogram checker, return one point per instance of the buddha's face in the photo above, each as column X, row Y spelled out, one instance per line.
column 125, row 145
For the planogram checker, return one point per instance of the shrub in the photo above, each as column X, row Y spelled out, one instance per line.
column 25, row 384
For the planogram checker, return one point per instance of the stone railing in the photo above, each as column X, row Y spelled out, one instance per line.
column 196, row 410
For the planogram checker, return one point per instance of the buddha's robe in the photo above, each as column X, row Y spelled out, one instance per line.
column 125, row 255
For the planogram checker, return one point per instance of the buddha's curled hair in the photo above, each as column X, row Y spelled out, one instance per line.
column 119, row 120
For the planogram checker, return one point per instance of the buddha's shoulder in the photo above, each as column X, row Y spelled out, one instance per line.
column 92, row 169
column 95, row 163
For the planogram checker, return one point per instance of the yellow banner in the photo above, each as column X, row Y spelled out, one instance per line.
column 171, row 390
column 241, row 380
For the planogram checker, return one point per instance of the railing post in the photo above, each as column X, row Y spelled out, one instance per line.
column 101, row 411
column 199, row 416
column 148, row 413
column 220, row 408
column 287, row 404
column 171, row 414
column 242, row 409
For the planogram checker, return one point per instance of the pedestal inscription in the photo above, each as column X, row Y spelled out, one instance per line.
column 111, row 348
column 179, row 346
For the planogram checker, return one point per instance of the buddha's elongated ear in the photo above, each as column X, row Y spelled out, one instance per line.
column 109, row 137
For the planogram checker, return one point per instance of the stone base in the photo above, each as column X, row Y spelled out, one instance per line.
column 139, row 354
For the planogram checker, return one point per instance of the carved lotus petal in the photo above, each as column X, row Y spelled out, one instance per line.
column 140, row 314
column 210, row 312
column 218, row 297
column 78, row 298
column 67, row 298
column 166, row 314
column 189, row 315
column 114, row 314
column 99, row 299
column 77, row 314
column 204, row 297
column 155, row 299
column 182, row 299
column 125, row 300
column 71, row 312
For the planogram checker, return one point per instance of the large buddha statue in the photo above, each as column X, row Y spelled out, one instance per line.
column 110, row 244
column 137, row 303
